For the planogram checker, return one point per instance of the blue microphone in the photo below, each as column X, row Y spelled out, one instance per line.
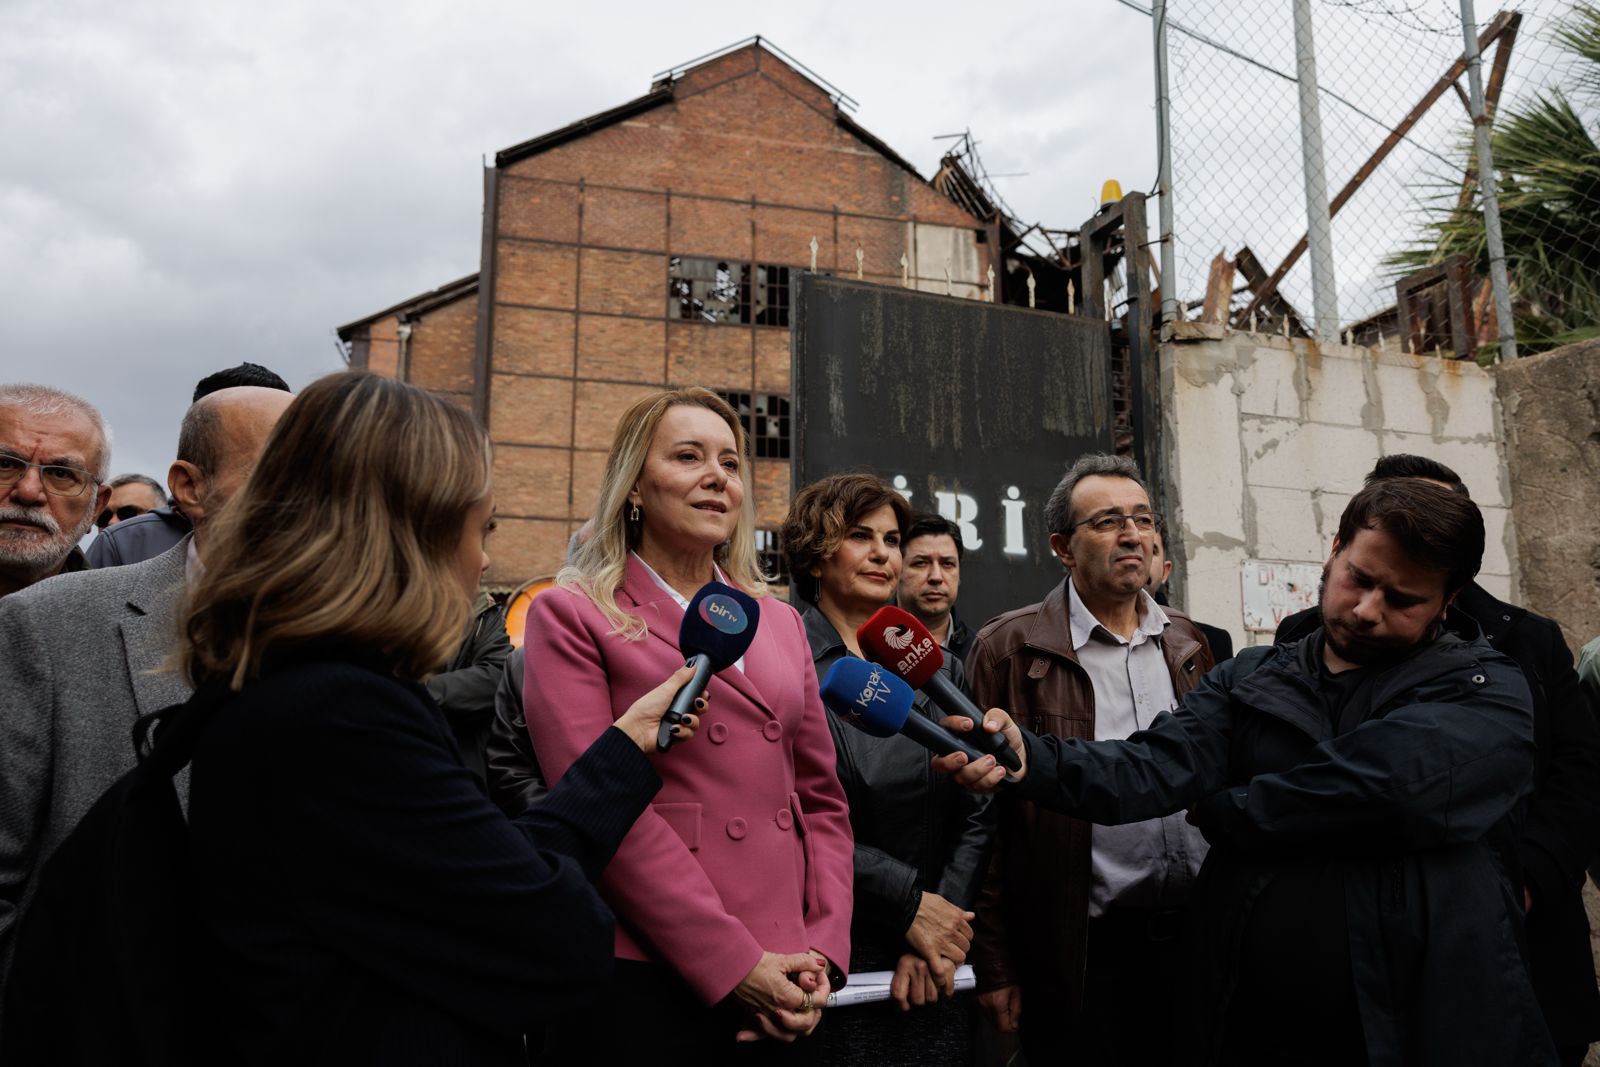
column 717, row 629
column 872, row 699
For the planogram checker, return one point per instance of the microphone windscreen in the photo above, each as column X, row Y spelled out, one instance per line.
column 894, row 638
column 720, row 623
column 867, row 696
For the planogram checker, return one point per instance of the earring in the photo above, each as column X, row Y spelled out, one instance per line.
column 633, row 516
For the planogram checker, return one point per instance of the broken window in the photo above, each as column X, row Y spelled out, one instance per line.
column 769, row 554
column 766, row 419
column 702, row 289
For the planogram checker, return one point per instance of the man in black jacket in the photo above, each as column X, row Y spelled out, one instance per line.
column 1561, row 833
column 1354, row 907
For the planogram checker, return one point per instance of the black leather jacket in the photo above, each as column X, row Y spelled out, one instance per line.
column 915, row 831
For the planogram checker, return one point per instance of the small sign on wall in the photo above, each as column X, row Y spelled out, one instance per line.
column 1274, row 591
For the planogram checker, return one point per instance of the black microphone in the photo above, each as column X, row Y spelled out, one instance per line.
column 874, row 701
column 895, row 639
column 717, row 629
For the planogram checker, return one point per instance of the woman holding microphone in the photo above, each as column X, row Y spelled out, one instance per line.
column 356, row 897
column 921, row 843
column 733, row 891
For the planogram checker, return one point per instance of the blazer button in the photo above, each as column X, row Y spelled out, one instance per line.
column 717, row 732
column 773, row 730
column 785, row 818
column 737, row 828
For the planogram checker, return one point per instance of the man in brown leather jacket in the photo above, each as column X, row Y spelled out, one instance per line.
column 1078, row 926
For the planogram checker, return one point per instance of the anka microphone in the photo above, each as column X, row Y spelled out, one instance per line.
column 873, row 700
column 717, row 629
column 894, row 638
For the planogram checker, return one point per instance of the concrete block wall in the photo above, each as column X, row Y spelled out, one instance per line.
column 1551, row 406
column 1268, row 439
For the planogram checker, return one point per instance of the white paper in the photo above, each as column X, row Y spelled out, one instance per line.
column 872, row 986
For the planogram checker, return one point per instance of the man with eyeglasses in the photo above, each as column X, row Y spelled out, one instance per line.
column 82, row 655
column 54, row 457
column 1078, row 930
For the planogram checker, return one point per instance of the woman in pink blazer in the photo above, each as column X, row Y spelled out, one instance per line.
column 733, row 891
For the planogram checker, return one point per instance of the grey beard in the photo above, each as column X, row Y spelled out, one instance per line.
column 29, row 555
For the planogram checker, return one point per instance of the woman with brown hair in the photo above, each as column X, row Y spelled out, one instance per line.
column 733, row 890
column 358, row 899
column 920, row 843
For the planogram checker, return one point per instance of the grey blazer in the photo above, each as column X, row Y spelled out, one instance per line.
column 78, row 659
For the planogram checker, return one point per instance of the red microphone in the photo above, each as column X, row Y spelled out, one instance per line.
column 893, row 638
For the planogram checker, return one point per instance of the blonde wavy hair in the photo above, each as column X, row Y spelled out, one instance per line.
column 346, row 532
column 597, row 568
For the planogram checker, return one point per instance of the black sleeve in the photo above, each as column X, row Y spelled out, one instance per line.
column 469, row 690
column 967, row 859
column 1562, row 829
column 408, row 870
column 515, row 778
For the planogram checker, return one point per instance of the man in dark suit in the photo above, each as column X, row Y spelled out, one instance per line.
column 86, row 654
column 1561, row 832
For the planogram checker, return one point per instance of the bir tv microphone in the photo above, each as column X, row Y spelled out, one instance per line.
column 874, row 701
column 717, row 629
column 894, row 638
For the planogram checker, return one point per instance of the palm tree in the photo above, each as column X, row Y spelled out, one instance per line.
column 1548, row 157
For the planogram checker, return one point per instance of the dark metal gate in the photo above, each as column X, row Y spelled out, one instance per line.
column 973, row 410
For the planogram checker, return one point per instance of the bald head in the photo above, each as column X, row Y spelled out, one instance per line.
column 222, row 436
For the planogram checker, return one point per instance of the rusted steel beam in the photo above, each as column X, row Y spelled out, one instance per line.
column 1503, row 21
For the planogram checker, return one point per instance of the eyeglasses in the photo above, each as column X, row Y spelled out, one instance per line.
column 122, row 514
column 57, row 479
column 1143, row 521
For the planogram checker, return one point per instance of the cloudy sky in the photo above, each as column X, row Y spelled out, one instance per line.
column 184, row 186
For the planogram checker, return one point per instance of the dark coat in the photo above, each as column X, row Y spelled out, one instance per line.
column 465, row 688
column 1403, row 806
column 1561, row 833
column 1033, row 916
column 915, row 831
column 515, row 778
column 362, row 902
column 138, row 539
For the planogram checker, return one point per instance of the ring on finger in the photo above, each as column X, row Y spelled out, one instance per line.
column 805, row 1005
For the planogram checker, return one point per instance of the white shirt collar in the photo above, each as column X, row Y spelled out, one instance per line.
column 1152, row 620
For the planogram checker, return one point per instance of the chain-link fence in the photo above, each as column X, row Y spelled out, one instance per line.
column 1400, row 170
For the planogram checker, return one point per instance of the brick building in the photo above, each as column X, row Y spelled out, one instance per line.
column 655, row 244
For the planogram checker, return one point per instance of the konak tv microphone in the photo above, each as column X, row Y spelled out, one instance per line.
column 717, row 629
column 895, row 639
column 874, row 701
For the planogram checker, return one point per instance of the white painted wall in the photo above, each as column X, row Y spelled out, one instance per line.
column 1268, row 440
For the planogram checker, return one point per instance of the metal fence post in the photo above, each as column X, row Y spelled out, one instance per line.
column 1169, row 256
column 1486, row 187
column 1319, row 227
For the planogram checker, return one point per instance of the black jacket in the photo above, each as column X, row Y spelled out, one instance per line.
column 915, row 831
column 138, row 539
column 465, row 688
column 362, row 902
column 515, row 778
column 1561, row 833
column 1401, row 809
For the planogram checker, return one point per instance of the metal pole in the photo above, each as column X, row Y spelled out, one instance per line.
column 1319, row 227
column 1169, row 254
column 1486, row 187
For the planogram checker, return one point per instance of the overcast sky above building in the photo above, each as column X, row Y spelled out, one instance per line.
column 184, row 186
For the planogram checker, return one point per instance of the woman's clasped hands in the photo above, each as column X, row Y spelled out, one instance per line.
column 785, row 995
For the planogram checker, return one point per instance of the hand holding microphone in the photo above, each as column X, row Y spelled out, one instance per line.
column 718, row 627
column 895, row 639
column 873, row 700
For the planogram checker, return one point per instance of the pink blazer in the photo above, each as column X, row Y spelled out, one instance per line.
column 748, row 846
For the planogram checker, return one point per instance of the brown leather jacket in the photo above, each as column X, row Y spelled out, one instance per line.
column 1034, row 910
